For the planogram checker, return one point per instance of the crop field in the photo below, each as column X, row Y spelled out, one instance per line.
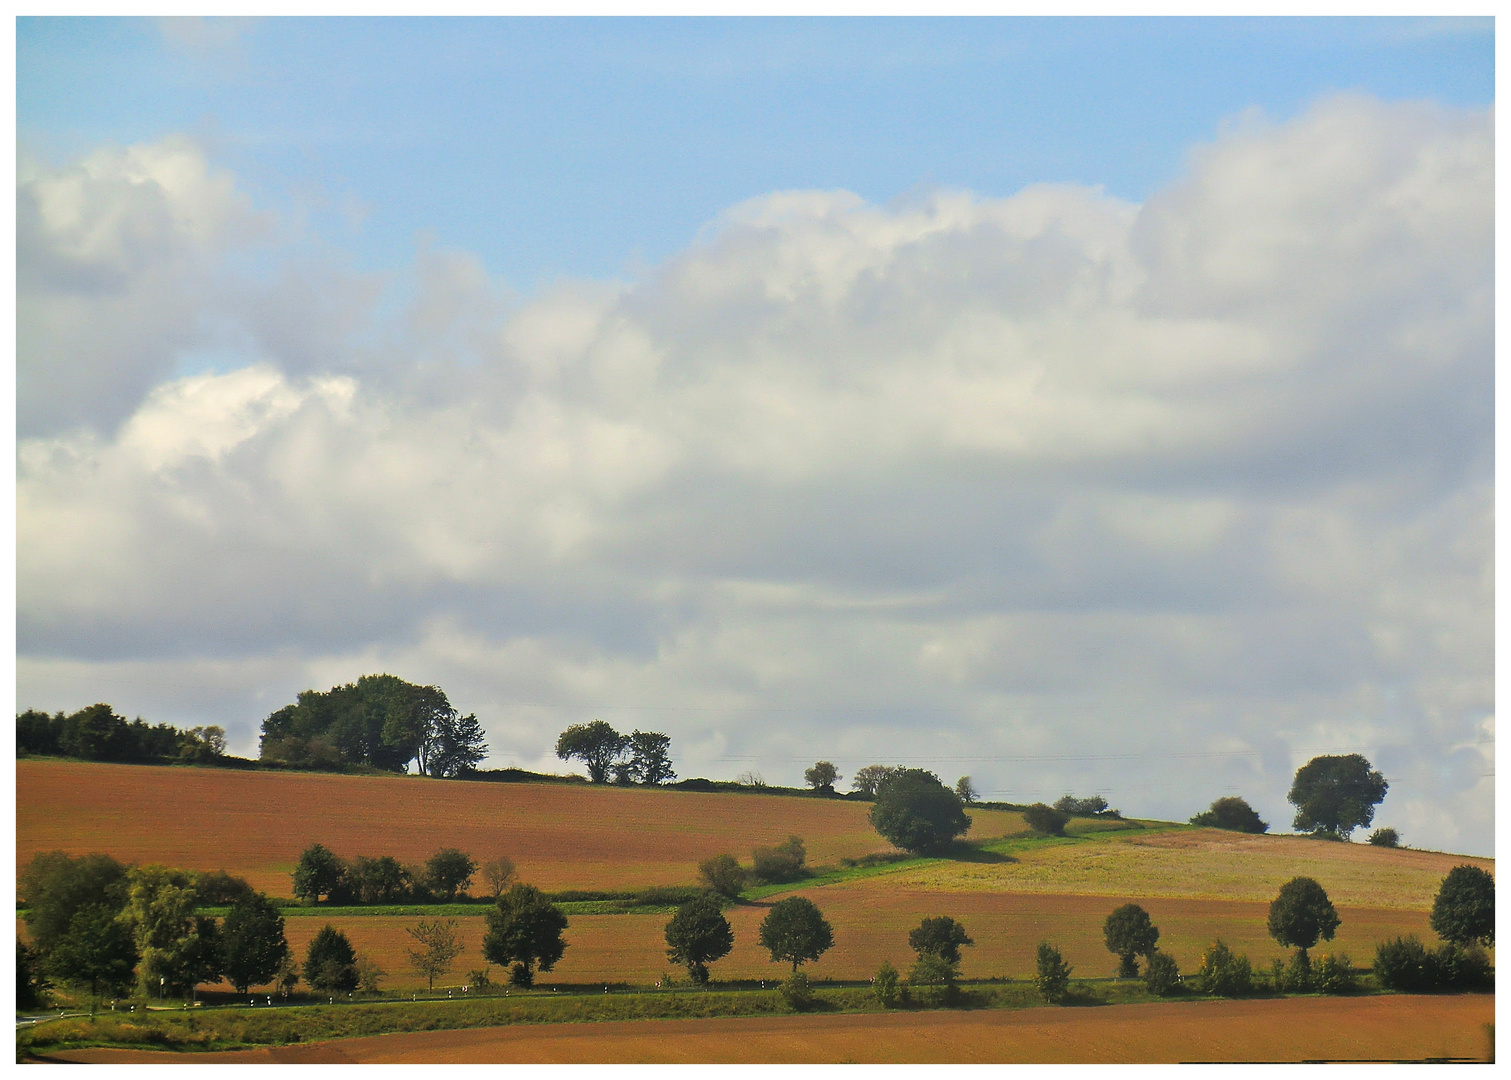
column 1294, row 1029
column 1201, row 863
column 255, row 824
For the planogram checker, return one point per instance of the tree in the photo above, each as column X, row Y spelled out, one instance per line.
column 785, row 862
column 596, row 745
column 1386, row 837
column 822, row 777
column 253, row 946
column 455, row 745
column 868, row 780
column 915, row 811
column 498, row 873
column 1300, row 915
column 697, row 935
column 650, row 759
column 1130, row 934
column 369, row 975
column 1089, row 807
column 1161, row 974
column 381, row 880
column 177, row 949
column 940, row 936
column 1231, row 813
column 31, row 984
column 1224, row 973
column 795, row 930
column 525, row 930
column 319, row 873
column 1336, row 794
column 96, row 951
column 440, row 945
column 1464, row 911
column 1046, row 819
column 56, row 887
column 723, row 875
column 380, row 720
column 449, row 872
column 330, row 964
column 966, row 790
column 287, row 975
column 220, row 889
column 885, row 985
column 1051, row 974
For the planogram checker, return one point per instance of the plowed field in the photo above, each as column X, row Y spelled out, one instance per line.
column 255, row 824
column 1295, row 1029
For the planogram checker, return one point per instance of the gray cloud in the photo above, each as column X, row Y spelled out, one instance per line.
column 1054, row 490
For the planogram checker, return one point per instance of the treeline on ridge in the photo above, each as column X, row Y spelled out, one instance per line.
column 97, row 733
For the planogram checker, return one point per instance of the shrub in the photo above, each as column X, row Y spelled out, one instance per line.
column 1161, row 975
column 1046, row 819
column 886, row 985
column 1051, row 974
column 1233, row 814
column 1294, row 977
column 785, row 862
column 1224, row 973
column 1092, row 807
column 1403, row 964
column 937, row 973
column 723, row 875
column 1334, row 975
column 1457, row 967
column 1385, row 838
column 797, row 993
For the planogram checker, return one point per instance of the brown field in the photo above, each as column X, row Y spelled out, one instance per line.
column 255, row 824
column 1204, row 863
column 871, row 925
column 1293, row 1029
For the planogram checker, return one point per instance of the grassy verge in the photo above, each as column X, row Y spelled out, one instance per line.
column 235, row 1027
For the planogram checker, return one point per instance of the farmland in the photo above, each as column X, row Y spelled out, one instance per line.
column 254, row 824
column 1409, row 1028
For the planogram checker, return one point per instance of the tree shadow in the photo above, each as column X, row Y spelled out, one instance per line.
column 969, row 853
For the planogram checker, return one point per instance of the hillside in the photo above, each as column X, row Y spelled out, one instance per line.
column 255, row 824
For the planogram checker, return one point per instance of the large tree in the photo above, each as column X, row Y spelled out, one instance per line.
column 178, row 949
column 650, row 759
column 1464, row 911
column 330, row 962
column 941, row 936
column 1300, row 915
column 1336, row 794
column 697, row 935
column 454, row 746
column 319, row 873
column 56, row 886
column 795, row 930
column 596, row 745
column 96, row 951
column 252, row 942
column 525, row 930
column 822, row 777
column 379, row 720
column 868, row 779
column 915, row 811
column 449, row 872
column 1129, row 933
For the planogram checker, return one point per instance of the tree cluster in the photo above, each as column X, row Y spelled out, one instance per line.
column 641, row 757
column 379, row 721
column 100, row 925
column 97, row 733
column 323, row 875
column 1092, row 806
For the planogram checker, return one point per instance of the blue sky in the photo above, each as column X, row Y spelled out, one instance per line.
column 588, row 147
column 1091, row 406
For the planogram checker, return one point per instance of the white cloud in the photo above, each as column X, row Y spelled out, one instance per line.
column 1158, row 497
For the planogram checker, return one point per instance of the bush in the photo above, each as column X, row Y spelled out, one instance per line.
column 1334, row 975
column 785, row 862
column 1161, row 975
column 915, row 811
column 1403, row 964
column 1233, row 814
column 1294, row 977
column 1385, row 838
column 886, row 985
column 1046, row 819
column 797, row 993
column 1052, row 974
column 1092, row 807
column 1224, row 973
column 1456, row 967
column 723, row 875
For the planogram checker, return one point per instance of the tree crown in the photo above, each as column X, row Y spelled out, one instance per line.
column 1302, row 913
column 1335, row 794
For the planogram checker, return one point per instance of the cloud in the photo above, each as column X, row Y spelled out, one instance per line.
column 1056, row 490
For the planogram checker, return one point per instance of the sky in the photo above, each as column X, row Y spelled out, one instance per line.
column 1089, row 406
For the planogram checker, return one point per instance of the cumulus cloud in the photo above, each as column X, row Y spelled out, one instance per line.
column 1059, row 491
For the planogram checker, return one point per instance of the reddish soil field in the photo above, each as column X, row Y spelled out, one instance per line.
column 1295, row 1029
column 255, row 824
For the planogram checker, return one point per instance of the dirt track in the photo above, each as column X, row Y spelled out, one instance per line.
column 1296, row 1029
